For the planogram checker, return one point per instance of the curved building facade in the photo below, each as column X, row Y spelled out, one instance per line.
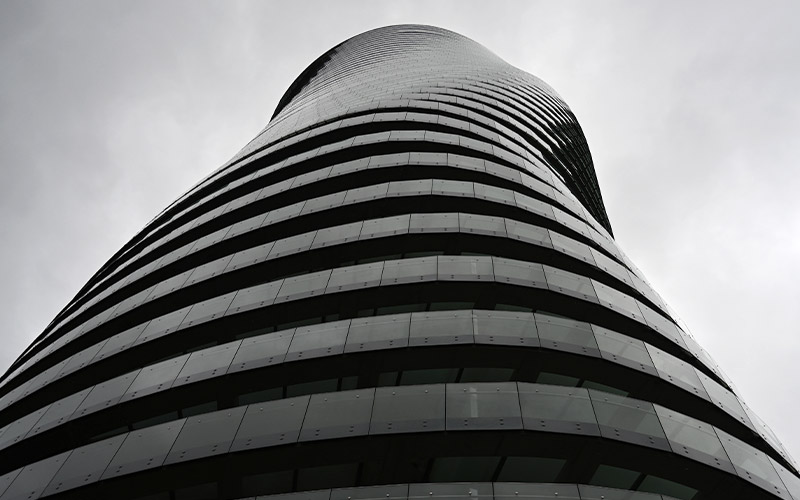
column 405, row 286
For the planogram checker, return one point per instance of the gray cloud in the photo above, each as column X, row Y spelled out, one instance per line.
column 110, row 110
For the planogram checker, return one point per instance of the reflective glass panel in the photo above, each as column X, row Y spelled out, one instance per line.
column 338, row 414
column 519, row 272
column 300, row 287
column 566, row 335
column 505, row 327
column 292, row 245
column 410, row 188
column 387, row 226
column 16, row 430
column 355, row 277
column 623, row 350
column 628, row 419
column 433, row 223
column 482, row 224
column 752, row 465
column 337, row 235
column 325, row 339
column 692, row 438
column 207, row 310
column 378, row 332
column 409, row 270
column 59, row 412
column 144, row 449
column 207, row 363
column 105, row 394
column 415, row 408
column 264, row 350
column 676, row 371
column 570, row 284
column 85, row 465
column 163, row 325
column 271, row 424
column 206, row 435
column 32, row 479
column 528, row 233
column 441, row 327
column 483, row 406
column 618, row 301
column 250, row 256
column 464, row 268
column 254, row 297
column 553, row 408
column 155, row 378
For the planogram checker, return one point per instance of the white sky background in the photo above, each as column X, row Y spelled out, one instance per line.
column 110, row 110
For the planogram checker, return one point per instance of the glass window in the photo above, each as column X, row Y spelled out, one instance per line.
column 317, row 494
column 271, row 424
column 367, row 193
column 533, row 205
column 306, row 285
column 624, row 350
column 724, row 399
column 572, row 248
column 661, row 324
column 676, row 371
column 599, row 493
column 283, row 213
column 415, row 408
column 254, row 297
column 7, row 478
column 528, row 233
column 32, row 479
column 570, row 284
column 566, row 335
column 441, row 327
column 612, row 267
column 538, row 186
column 144, row 449
column 169, row 285
column 503, row 172
column 208, row 270
column 355, row 277
column 155, row 378
column 325, row 339
column 207, row 363
column 692, row 438
column 466, row 162
column 264, row 350
column 206, row 435
column 482, row 224
column 571, row 222
column 519, row 272
column 209, row 239
column 337, row 235
column 752, row 465
column 17, row 430
column 407, row 135
column 292, row 245
column 207, row 310
column 338, row 414
column 378, row 332
column 410, row 188
column 433, row 223
column 494, row 194
column 387, row 226
column 452, row 188
column 554, row 408
column 791, row 481
column 85, row 465
column 484, row 405
column 409, row 271
column 250, row 256
column 618, row 301
column 309, row 177
column 463, row 268
column 457, row 469
column 628, row 419
column 162, row 325
column 505, row 328
column 105, row 394
column 59, row 412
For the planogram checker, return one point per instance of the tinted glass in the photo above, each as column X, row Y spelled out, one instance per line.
column 249, row 256
column 32, row 479
column 416, row 408
column 59, row 412
column 388, row 226
column 85, row 465
column 163, row 325
column 254, row 297
column 155, row 378
column 676, row 371
column 628, row 419
column 206, row 435
column 120, row 342
column 692, row 438
column 263, row 350
column 751, row 464
column 207, row 310
column 505, row 327
column 553, row 408
column 724, row 399
column 207, row 363
column 618, row 301
column 17, row 430
column 337, row 235
column 409, row 270
column 144, row 449
column 507, row 491
column 624, row 350
column 325, row 339
column 519, row 272
column 105, row 394
column 482, row 224
column 410, row 188
column 570, row 284
column 494, row 194
column 271, row 424
column 307, row 285
column 433, row 223
column 483, row 406
column 338, row 414
column 441, row 327
column 566, row 335
column 378, row 332
column 355, row 277
column 528, row 233
column 463, row 268
column 292, row 245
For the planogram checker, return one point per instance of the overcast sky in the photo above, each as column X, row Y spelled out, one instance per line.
column 110, row 110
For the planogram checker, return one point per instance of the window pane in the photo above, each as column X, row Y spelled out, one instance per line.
column 463, row 268
column 677, row 372
column 59, row 412
column 624, row 350
column 85, row 465
column 325, row 339
column 555, row 408
column 692, row 438
column 355, row 277
column 264, row 350
column 441, row 327
column 528, row 233
column 250, row 256
column 254, row 297
column 207, row 310
column 566, row 335
column 378, row 332
column 270, row 424
column 105, row 394
column 416, row 408
column 572, row 248
column 519, row 272
column 433, row 223
column 206, row 435
column 483, row 406
column 628, row 419
column 505, row 328
column 155, row 378
column 337, row 235
column 207, row 363
column 300, row 287
column 338, row 414
column 292, row 245
column 387, row 226
column 410, row 188
column 570, row 284
column 409, row 270
column 618, row 301
column 752, row 465
column 32, row 479
column 144, row 449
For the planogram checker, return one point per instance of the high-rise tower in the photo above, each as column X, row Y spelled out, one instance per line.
column 405, row 286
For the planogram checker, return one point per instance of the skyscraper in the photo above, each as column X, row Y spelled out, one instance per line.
column 406, row 285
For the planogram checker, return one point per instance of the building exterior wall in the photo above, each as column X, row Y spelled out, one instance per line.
column 406, row 285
